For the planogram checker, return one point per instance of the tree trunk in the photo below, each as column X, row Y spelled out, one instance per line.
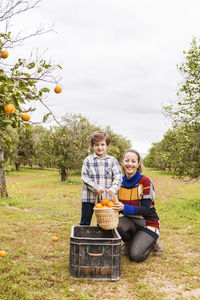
column 3, row 190
column 63, row 174
column 17, row 166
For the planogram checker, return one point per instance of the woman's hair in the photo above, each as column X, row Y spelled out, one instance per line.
column 98, row 136
column 138, row 156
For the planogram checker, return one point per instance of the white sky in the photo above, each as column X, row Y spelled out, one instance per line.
column 119, row 59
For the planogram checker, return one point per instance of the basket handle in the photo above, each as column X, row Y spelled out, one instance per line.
column 96, row 200
column 95, row 254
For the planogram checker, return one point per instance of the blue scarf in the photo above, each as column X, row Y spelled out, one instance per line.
column 129, row 182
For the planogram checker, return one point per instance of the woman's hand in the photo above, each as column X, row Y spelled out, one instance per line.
column 118, row 206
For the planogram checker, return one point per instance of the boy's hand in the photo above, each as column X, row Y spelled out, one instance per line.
column 100, row 190
column 111, row 191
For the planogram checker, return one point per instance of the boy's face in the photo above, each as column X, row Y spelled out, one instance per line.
column 100, row 148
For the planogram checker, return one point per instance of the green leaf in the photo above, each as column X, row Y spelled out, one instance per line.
column 34, row 90
column 26, row 74
column 39, row 70
column 46, row 66
column 3, row 76
column 32, row 82
column 45, row 90
column 7, row 121
column 8, row 34
column 31, row 65
column 46, row 117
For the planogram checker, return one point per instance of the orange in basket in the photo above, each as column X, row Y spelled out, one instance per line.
column 107, row 217
column 111, row 204
column 105, row 201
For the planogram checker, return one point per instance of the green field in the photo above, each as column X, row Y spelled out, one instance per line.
column 35, row 268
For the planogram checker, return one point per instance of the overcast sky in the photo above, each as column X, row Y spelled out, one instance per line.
column 119, row 59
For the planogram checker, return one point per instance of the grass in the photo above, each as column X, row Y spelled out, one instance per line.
column 35, row 268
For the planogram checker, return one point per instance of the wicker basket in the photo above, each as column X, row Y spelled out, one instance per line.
column 107, row 217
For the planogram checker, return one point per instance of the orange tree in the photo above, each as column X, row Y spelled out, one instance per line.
column 179, row 150
column 185, row 114
column 119, row 144
column 65, row 146
column 21, row 82
column 25, row 147
column 68, row 144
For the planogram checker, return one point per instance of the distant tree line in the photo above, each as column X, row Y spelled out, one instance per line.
column 63, row 147
column 179, row 150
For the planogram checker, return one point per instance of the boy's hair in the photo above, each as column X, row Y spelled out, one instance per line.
column 98, row 136
column 138, row 156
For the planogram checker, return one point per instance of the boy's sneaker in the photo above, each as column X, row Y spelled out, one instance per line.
column 124, row 249
column 158, row 249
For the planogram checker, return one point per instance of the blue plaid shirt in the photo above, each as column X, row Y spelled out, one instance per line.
column 96, row 172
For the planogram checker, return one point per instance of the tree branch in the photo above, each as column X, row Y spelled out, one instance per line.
column 14, row 7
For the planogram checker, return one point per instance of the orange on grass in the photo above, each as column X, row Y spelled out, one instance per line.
column 9, row 109
column 4, row 54
column 57, row 89
column 54, row 238
column 25, row 117
column 98, row 205
column 111, row 204
column 2, row 253
column 105, row 201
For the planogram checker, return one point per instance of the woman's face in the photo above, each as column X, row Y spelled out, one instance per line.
column 130, row 164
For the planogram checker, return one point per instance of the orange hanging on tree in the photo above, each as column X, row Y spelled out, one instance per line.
column 4, row 54
column 25, row 117
column 9, row 109
column 57, row 89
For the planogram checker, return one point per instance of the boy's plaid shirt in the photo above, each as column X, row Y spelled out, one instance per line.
column 96, row 171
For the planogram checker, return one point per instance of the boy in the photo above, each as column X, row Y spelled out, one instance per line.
column 101, row 174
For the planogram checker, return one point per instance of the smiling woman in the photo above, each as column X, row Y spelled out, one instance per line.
column 139, row 227
column 131, row 163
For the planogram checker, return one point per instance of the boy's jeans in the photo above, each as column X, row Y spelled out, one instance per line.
column 86, row 213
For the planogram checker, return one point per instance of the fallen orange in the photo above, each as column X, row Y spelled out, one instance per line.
column 54, row 238
column 2, row 253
